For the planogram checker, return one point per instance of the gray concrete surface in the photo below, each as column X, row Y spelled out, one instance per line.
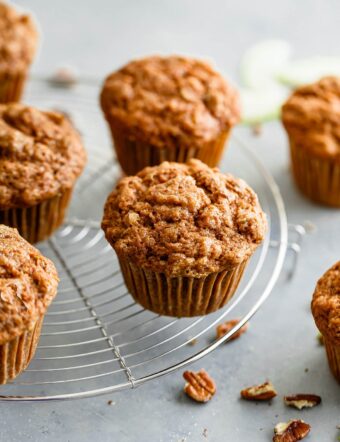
column 98, row 36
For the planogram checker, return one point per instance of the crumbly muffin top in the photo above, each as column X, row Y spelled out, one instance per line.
column 311, row 116
column 18, row 39
column 326, row 303
column 183, row 219
column 28, row 283
column 41, row 155
column 167, row 101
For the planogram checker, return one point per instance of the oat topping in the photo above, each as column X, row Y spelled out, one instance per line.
column 170, row 101
column 18, row 39
column 28, row 283
column 183, row 219
column 311, row 116
column 41, row 155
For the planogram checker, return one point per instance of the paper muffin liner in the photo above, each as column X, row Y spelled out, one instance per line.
column 12, row 86
column 333, row 355
column 134, row 155
column 16, row 354
column 317, row 178
column 180, row 296
column 38, row 222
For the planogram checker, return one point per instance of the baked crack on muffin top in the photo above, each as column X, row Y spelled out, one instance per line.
column 28, row 283
column 184, row 219
column 41, row 155
column 311, row 117
column 18, row 39
column 326, row 303
column 168, row 101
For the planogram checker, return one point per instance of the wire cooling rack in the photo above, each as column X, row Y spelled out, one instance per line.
column 95, row 338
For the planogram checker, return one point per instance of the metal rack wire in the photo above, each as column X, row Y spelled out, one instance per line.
column 95, row 339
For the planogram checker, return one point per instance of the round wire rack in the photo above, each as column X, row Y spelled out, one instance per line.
column 95, row 338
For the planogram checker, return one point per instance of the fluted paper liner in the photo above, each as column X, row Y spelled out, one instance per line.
column 38, row 222
column 16, row 354
column 11, row 86
column 317, row 178
column 180, row 296
column 134, row 155
column 333, row 355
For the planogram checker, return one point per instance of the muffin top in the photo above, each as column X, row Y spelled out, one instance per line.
column 312, row 117
column 326, row 303
column 28, row 283
column 183, row 219
column 41, row 155
column 166, row 101
column 18, row 39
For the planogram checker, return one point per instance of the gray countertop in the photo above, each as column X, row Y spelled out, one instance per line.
column 281, row 344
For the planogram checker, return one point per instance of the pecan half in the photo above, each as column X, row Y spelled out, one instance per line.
column 291, row 431
column 302, row 400
column 224, row 328
column 199, row 386
column 263, row 392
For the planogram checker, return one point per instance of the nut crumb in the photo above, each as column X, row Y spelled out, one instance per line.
column 310, row 227
column 257, row 129
column 193, row 342
column 301, row 401
column 291, row 431
column 263, row 392
column 200, row 386
column 64, row 77
column 223, row 329
column 110, row 402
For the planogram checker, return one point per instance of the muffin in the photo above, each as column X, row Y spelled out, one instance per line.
column 326, row 312
column 311, row 117
column 168, row 109
column 18, row 44
column 183, row 234
column 41, row 156
column 28, row 285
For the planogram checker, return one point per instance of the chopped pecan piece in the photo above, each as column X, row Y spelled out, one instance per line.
column 224, row 328
column 263, row 392
column 199, row 386
column 302, row 400
column 64, row 77
column 291, row 431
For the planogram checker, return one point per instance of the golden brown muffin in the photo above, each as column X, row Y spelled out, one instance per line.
column 311, row 117
column 28, row 285
column 183, row 234
column 326, row 312
column 168, row 108
column 41, row 156
column 18, row 44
